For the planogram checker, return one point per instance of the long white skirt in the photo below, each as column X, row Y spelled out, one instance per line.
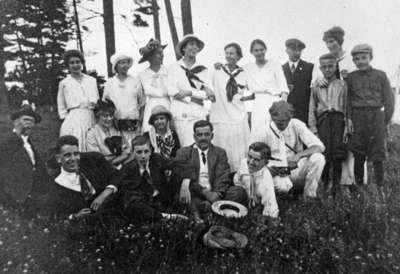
column 77, row 123
column 150, row 104
column 234, row 137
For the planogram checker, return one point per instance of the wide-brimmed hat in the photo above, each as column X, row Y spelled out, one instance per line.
column 26, row 110
column 223, row 238
column 185, row 40
column 158, row 110
column 148, row 50
column 229, row 209
column 116, row 57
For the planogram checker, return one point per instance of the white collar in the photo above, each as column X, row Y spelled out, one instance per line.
column 200, row 151
column 23, row 137
column 273, row 126
column 294, row 63
column 142, row 169
column 69, row 180
column 259, row 172
column 196, row 63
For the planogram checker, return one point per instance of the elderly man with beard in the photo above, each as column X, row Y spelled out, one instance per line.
column 23, row 177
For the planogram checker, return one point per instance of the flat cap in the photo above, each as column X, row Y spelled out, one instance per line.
column 361, row 48
column 294, row 43
column 281, row 110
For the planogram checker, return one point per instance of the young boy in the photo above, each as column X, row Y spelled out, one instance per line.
column 327, row 119
column 371, row 106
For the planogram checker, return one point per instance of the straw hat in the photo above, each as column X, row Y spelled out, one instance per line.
column 115, row 58
column 229, row 209
column 223, row 238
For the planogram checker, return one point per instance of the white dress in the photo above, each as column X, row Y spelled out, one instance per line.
column 155, row 90
column 267, row 83
column 231, row 127
column 75, row 102
column 185, row 112
column 128, row 98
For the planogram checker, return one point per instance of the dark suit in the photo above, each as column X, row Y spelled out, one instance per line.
column 218, row 173
column 62, row 201
column 21, row 183
column 138, row 200
column 301, row 79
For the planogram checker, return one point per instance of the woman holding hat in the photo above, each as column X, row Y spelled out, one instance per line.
column 163, row 139
column 103, row 137
column 228, row 114
column 77, row 95
column 265, row 79
column 188, row 85
column 126, row 93
column 153, row 79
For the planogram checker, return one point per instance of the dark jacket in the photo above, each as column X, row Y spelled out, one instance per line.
column 20, row 181
column 218, row 168
column 301, row 79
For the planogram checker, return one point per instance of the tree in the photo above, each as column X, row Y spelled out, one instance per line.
column 156, row 21
column 186, row 17
column 108, row 14
column 172, row 26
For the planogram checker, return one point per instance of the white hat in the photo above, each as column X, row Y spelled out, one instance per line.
column 116, row 57
column 185, row 40
column 229, row 209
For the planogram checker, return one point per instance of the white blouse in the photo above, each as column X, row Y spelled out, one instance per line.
column 76, row 94
column 154, row 83
column 266, row 79
column 127, row 96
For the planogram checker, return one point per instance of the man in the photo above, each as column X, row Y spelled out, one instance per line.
column 254, row 176
column 86, row 185
column 23, row 177
column 296, row 166
column 207, row 180
column 149, row 184
column 298, row 74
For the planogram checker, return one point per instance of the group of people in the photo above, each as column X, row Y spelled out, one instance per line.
column 182, row 134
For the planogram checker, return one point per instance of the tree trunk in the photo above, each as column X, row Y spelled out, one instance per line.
column 108, row 13
column 186, row 17
column 172, row 26
column 3, row 91
column 156, row 20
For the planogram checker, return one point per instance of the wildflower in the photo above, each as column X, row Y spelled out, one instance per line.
column 98, row 260
column 46, row 230
column 9, row 263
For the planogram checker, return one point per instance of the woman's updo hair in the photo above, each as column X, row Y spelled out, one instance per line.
column 73, row 53
column 257, row 41
column 236, row 47
column 106, row 106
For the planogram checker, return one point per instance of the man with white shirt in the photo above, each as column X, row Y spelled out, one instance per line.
column 298, row 74
column 254, row 176
column 206, row 173
column 23, row 177
column 86, row 185
column 296, row 165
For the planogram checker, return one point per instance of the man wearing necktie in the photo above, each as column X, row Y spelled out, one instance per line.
column 23, row 177
column 298, row 74
column 206, row 173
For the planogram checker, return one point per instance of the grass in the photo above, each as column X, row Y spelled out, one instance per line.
column 358, row 235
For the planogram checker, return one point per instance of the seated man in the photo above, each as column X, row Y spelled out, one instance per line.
column 149, row 184
column 207, row 180
column 23, row 177
column 287, row 139
column 254, row 176
column 86, row 185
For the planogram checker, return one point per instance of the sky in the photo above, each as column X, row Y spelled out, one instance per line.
column 218, row 22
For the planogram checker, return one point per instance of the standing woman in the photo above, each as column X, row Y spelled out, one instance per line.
column 265, row 79
column 188, row 86
column 126, row 93
column 76, row 98
column 228, row 114
column 153, row 79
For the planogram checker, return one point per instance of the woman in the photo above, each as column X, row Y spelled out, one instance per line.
column 163, row 140
column 228, row 114
column 126, row 93
column 104, row 137
column 77, row 95
column 265, row 79
column 153, row 79
column 188, row 86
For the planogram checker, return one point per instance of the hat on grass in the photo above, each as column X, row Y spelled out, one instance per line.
column 223, row 238
column 229, row 209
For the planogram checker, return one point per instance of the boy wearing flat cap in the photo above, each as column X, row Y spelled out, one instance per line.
column 298, row 74
column 371, row 105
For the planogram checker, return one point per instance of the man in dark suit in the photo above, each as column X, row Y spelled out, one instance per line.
column 86, row 185
column 207, row 180
column 150, row 186
column 23, row 178
column 298, row 75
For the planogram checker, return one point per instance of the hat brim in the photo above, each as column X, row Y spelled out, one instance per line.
column 184, row 41
column 146, row 56
column 153, row 116
column 229, row 209
column 33, row 114
column 221, row 237
column 120, row 59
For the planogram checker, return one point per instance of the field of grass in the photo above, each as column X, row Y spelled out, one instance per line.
column 357, row 235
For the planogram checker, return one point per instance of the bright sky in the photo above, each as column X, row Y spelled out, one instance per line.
column 219, row 22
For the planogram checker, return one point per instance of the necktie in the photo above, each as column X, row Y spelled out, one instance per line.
column 232, row 86
column 85, row 188
column 29, row 150
column 292, row 68
column 203, row 158
column 337, row 72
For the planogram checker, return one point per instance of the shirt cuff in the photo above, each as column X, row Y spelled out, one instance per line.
column 113, row 188
column 200, row 94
